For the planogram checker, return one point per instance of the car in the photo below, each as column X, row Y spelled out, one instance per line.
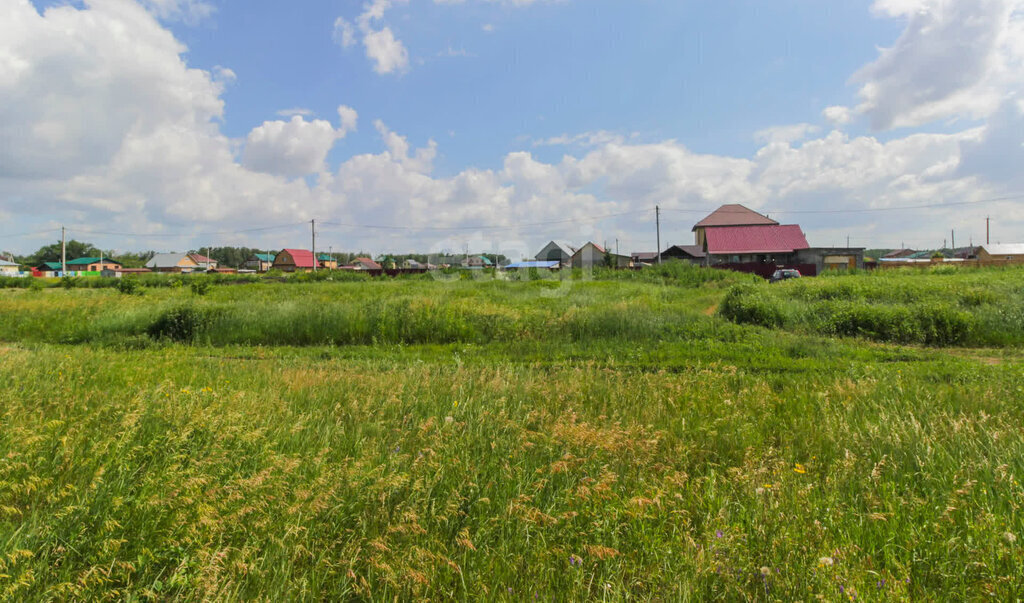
column 784, row 274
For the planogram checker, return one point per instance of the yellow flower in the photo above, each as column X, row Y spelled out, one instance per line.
column 799, row 468
column 455, row 404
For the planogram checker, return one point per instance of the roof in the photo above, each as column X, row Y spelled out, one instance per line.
column 323, row 257
column 264, row 257
column 695, row 251
column 644, row 255
column 562, row 246
column 201, row 259
column 366, row 264
column 756, row 239
column 164, row 260
column 51, row 265
column 91, row 260
column 534, row 264
column 1004, row 249
column 303, row 258
column 899, row 253
column 734, row 214
column 6, row 263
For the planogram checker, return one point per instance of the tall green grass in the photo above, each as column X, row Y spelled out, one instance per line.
column 977, row 307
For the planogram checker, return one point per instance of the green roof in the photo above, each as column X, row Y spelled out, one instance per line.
column 92, row 260
column 323, row 257
column 264, row 257
column 51, row 265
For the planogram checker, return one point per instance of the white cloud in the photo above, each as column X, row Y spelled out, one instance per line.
column 104, row 123
column 295, row 111
column 189, row 11
column 289, row 148
column 785, row 134
column 487, row 27
column 347, row 118
column 953, row 59
column 387, row 53
column 344, row 33
column 586, row 139
column 837, row 115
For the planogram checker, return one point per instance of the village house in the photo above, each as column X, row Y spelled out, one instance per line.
column 294, row 260
column 172, row 262
column 739, row 238
column 260, row 262
column 1002, row 251
column 8, row 268
column 203, row 262
column 327, row 261
column 92, row 264
column 364, row 264
column 123, row 272
column 592, row 254
column 556, row 251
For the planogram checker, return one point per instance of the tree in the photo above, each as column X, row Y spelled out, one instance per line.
column 51, row 253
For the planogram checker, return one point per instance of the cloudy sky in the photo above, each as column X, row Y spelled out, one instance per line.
column 403, row 125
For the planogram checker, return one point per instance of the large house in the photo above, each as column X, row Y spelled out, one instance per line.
column 740, row 238
column 173, row 262
column 8, row 268
column 364, row 264
column 295, row 260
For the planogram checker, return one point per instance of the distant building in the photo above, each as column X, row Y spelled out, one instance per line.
column 477, row 262
column 689, row 253
column 173, row 262
column 92, row 264
column 898, row 253
column 1004, row 251
column 123, row 272
column 204, row 262
column 592, row 255
column 556, row 251
column 327, row 261
column 8, row 268
column 294, row 260
column 260, row 262
column 364, row 264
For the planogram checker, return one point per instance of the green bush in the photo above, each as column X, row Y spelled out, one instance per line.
column 181, row 324
column 748, row 304
column 129, row 285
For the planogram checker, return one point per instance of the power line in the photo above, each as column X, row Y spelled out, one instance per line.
column 486, row 227
column 853, row 210
column 187, row 234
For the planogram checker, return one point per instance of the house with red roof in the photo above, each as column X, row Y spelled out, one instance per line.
column 294, row 260
column 739, row 238
column 204, row 262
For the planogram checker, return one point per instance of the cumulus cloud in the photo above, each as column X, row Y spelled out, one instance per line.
column 104, row 123
column 837, row 115
column 387, row 53
column 785, row 134
column 953, row 59
column 189, row 11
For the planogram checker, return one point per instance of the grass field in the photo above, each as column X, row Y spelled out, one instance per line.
column 635, row 437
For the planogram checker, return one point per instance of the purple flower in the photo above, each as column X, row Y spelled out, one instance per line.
column 718, row 534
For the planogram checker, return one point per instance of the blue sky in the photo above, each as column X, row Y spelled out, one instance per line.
column 154, row 119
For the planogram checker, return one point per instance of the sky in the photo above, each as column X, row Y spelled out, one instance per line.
column 498, row 125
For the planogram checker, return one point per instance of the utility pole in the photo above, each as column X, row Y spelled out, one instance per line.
column 616, row 246
column 952, row 239
column 847, row 241
column 312, row 227
column 63, row 254
column 986, row 230
column 657, row 225
column 207, row 258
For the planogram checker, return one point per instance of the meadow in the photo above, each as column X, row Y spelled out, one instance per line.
column 633, row 436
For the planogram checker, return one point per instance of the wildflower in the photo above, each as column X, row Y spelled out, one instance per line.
column 767, row 486
column 449, row 419
column 1009, row 537
column 455, row 404
column 718, row 534
column 825, row 561
column 798, row 468
column 759, row 490
column 765, row 571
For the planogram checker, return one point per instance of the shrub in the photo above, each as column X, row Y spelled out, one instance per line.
column 129, row 286
column 68, row 282
column 747, row 304
column 180, row 324
column 200, row 286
